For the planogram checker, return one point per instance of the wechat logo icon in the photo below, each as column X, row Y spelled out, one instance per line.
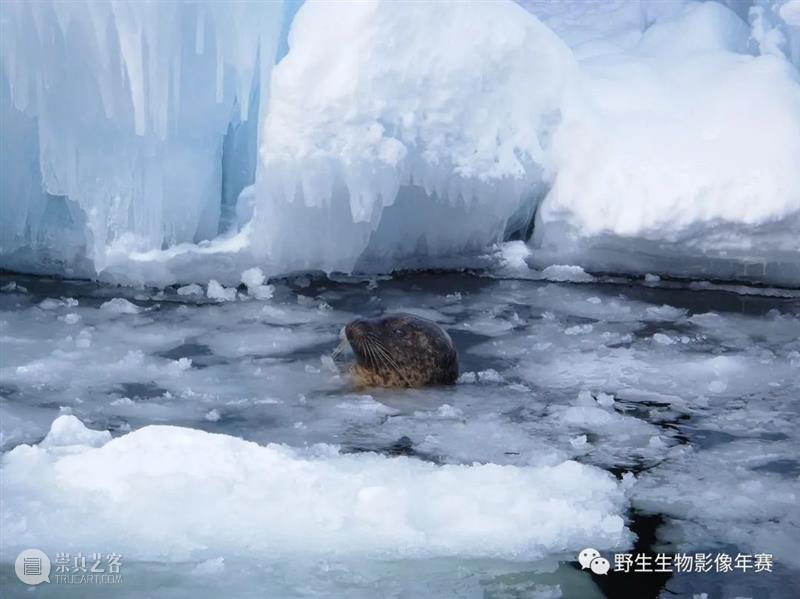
column 33, row 567
column 591, row 558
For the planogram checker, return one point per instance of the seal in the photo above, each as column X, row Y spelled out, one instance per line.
column 400, row 350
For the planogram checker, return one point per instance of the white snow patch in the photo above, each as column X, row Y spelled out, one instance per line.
column 370, row 178
column 191, row 289
column 253, row 278
column 157, row 493
column 217, row 292
column 665, row 164
column 67, row 431
column 213, row 415
column 119, row 305
column 566, row 272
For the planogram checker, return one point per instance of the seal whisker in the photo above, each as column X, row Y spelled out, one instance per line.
column 379, row 347
column 385, row 352
column 389, row 361
column 369, row 350
column 387, row 358
column 384, row 358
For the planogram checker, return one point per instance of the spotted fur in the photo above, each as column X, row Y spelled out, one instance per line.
column 401, row 350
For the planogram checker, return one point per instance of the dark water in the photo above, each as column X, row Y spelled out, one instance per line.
column 486, row 313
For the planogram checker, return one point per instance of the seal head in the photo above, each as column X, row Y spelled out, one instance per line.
column 401, row 350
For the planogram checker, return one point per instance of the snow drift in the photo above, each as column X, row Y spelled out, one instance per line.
column 156, row 143
column 390, row 137
column 171, row 493
column 680, row 156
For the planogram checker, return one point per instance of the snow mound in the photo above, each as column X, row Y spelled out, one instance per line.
column 155, row 142
column 383, row 140
column 68, row 431
column 679, row 156
column 171, row 493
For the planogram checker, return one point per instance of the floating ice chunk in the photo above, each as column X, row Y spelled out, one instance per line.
column 565, row 272
column 664, row 313
column 579, row 329
column 217, row 292
column 663, row 339
column 605, row 400
column 578, row 442
column 67, row 430
column 253, row 278
column 490, row 375
column 51, row 304
column 717, row 386
column 262, row 292
column 84, row 339
column 588, row 416
column 366, row 403
column 466, row 378
column 513, row 255
column 123, row 401
column 737, row 503
column 13, row 287
column 192, row 289
column 443, row 412
column 119, row 305
column 210, row 567
column 157, row 493
column 585, row 398
column 488, row 324
column 71, row 318
column 448, row 411
column 651, row 278
column 213, row 415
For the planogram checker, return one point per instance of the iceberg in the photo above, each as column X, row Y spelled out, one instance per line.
column 126, row 124
column 183, row 142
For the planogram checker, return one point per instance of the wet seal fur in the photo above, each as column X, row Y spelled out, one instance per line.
column 401, row 350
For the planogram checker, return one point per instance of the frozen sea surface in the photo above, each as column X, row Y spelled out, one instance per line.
column 217, row 447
